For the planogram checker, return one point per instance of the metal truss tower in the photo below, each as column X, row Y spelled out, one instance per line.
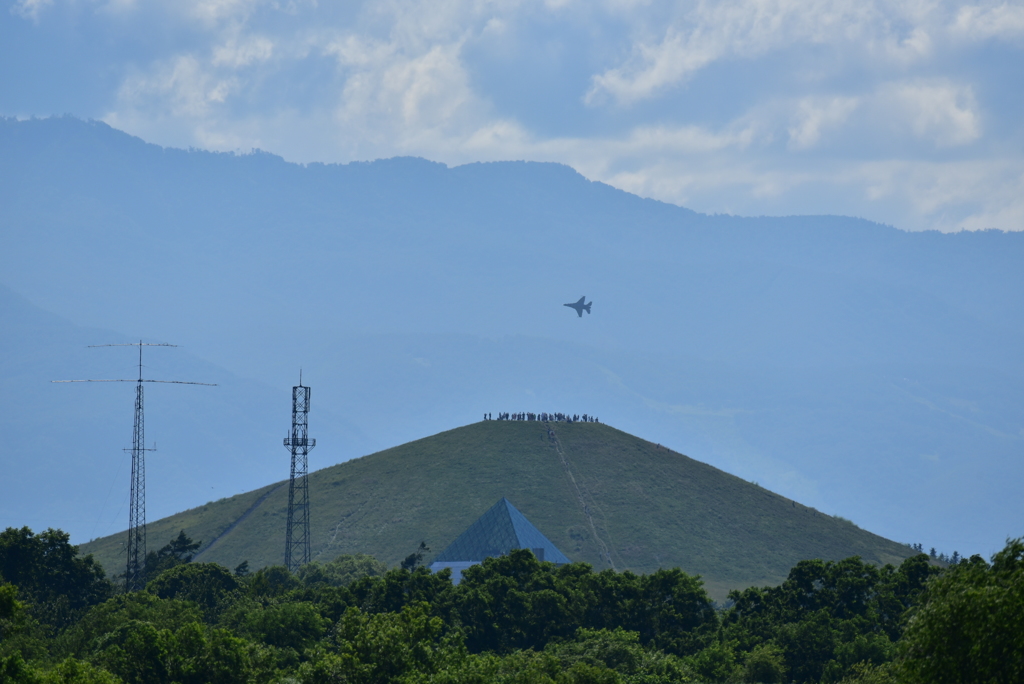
column 135, row 571
column 296, row 541
column 135, row 574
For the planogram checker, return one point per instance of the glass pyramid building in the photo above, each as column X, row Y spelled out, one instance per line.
column 495, row 533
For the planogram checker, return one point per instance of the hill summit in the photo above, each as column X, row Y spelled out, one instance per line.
column 600, row 495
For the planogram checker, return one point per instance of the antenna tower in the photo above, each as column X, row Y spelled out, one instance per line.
column 135, row 573
column 296, row 541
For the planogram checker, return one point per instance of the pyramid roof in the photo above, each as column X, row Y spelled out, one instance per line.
column 495, row 533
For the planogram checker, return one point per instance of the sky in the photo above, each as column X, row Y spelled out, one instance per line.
column 907, row 113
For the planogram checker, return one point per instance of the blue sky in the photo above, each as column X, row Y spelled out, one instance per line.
column 907, row 113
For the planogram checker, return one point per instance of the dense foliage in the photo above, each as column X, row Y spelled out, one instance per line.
column 49, row 575
column 511, row 619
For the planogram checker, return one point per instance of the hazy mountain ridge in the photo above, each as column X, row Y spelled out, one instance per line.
column 859, row 368
column 417, row 210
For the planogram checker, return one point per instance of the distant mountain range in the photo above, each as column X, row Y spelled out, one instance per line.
column 599, row 494
column 860, row 369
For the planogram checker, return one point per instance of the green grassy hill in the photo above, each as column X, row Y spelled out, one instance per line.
column 602, row 496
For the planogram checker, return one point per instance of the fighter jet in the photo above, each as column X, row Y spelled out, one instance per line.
column 580, row 306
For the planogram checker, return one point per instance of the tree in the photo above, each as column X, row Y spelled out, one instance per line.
column 14, row 670
column 969, row 626
column 192, row 654
column 413, row 560
column 12, row 612
column 55, row 583
column 765, row 664
column 398, row 588
column 286, row 625
column 271, row 581
column 123, row 611
column 137, row 653
column 206, row 584
column 342, row 571
column 620, row 651
column 72, row 671
column 178, row 551
column 516, row 601
column 829, row 615
column 385, row 648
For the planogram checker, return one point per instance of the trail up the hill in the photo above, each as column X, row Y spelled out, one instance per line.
column 579, row 494
column 249, row 511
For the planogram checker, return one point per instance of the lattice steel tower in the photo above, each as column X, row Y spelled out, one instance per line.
column 135, row 572
column 296, row 542
column 134, row 576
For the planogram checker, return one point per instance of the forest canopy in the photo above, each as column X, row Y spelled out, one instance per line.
column 511, row 619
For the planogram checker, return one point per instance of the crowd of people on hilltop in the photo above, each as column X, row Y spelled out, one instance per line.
column 545, row 417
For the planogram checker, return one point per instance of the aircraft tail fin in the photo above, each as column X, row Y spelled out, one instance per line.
column 587, row 306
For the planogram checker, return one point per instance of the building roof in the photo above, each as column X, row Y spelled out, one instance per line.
column 495, row 533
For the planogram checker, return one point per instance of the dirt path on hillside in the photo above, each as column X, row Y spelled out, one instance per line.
column 249, row 511
column 553, row 436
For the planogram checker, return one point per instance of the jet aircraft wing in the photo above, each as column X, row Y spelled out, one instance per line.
column 579, row 306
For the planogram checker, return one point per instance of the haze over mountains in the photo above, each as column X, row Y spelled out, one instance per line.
column 865, row 371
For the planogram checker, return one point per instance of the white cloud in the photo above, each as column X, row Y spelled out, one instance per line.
column 119, row 6
column 910, row 48
column 746, row 29
column 690, row 139
column 878, row 108
column 182, row 86
column 253, row 49
column 30, row 9
column 212, row 12
column 980, row 22
column 815, row 115
column 503, row 139
column 398, row 101
column 948, row 196
column 937, row 111
column 917, row 195
column 653, row 67
column 428, row 90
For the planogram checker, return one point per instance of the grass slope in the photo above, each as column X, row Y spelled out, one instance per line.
column 601, row 495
